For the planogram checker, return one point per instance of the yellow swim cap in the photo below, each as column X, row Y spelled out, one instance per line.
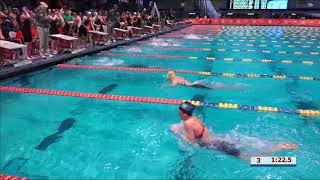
column 171, row 75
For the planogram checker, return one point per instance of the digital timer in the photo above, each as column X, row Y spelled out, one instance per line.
column 273, row 161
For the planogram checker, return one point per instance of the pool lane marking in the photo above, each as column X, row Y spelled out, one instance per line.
column 248, row 60
column 234, row 44
column 258, row 31
column 237, row 40
column 249, row 36
column 173, row 48
column 223, row 74
column 236, row 37
column 301, row 112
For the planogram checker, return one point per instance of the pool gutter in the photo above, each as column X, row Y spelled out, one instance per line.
column 61, row 58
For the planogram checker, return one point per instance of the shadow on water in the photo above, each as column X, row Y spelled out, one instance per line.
column 14, row 167
column 305, row 104
column 55, row 137
column 108, row 89
column 138, row 66
column 24, row 79
column 297, row 99
column 183, row 169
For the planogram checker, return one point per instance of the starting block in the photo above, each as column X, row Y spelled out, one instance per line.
column 120, row 33
column 136, row 32
column 148, row 29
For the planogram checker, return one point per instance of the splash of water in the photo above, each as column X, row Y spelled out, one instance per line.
column 252, row 145
column 195, row 37
column 161, row 42
column 134, row 49
column 105, row 61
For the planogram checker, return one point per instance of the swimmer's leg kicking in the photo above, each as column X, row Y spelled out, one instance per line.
column 201, row 84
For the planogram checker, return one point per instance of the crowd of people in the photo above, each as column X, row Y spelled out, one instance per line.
column 34, row 27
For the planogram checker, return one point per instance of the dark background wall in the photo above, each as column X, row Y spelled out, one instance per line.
column 165, row 4
column 190, row 5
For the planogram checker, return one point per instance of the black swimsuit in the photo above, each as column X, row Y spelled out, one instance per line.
column 220, row 145
column 226, row 147
column 26, row 30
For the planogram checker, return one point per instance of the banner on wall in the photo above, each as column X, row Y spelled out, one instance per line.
column 270, row 22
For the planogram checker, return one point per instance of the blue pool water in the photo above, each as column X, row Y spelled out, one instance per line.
column 52, row 137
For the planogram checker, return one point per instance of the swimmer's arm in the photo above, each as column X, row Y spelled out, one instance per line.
column 170, row 85
column 164, row 86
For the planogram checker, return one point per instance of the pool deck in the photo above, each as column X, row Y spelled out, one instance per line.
column 7, row 72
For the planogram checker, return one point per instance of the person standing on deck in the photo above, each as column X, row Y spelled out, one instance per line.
column 112, row 19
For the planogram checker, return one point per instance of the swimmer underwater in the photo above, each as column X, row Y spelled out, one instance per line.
column 194, row 131
column 178, row 80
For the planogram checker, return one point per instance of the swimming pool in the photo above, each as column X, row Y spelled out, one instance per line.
column 59, row 137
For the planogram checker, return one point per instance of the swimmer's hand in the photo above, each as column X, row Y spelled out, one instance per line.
column 175, row 128
column 165, row 86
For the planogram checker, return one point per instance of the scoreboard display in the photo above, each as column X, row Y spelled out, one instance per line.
column 273, row 4
column 258, row 4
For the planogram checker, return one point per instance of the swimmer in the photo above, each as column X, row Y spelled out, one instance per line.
column 176, row 80
column 195, row 132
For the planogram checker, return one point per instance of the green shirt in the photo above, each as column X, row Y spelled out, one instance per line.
column 68, row 18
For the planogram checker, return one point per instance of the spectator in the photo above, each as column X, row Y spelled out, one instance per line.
column 35, row 38
column 43, row 21
column 56, row 21
column 25, row 20
column 2, row 15
column 68, row 19
column 99, row 22
column 90, row 26
column 14, row 18
column 83, row 30
column 7, row 25
column 76, row 24
column 34, row 29
column 116, row 24
column 77, row 18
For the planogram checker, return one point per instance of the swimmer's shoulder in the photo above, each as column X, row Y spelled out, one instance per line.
column 189, row 122
column 193, row 120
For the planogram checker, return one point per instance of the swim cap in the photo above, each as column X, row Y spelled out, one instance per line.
column 187, row 108
column 24, row 8
column 171, row 75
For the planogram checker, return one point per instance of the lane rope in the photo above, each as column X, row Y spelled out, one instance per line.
column 249, row 35
column 233, row 44
column 7, row 177
column 247, row 60
column 181, row 38
column 158, row 100
column 234, row 75
column 173, row 48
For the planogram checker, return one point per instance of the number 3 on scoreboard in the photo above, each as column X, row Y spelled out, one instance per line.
column 258, row 160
